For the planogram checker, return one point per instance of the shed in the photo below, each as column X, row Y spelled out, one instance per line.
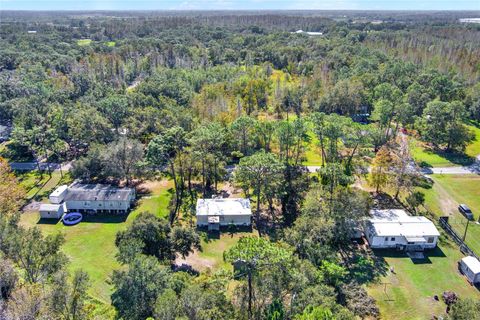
column 470, row 267
column 51, row 211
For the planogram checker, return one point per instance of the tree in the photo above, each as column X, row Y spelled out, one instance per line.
column 252, row 254
column 123, row 158
column 68, row 301
column 115, row 109
column 381, row 169
column 384, row 113
column 154, row 236
column 464, row 309
column 415, row 200
column 11, row 192
column 137, row 289
column 209, row 141
column 258, row 172
column 8, row 277
column 442, row 125
column 39, row 256
column 162, row 151
column 243, row 128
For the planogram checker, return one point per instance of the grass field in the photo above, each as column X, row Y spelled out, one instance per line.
column 410, row 290
column 84, row 42
column 427, row 157
column 313, row 154
column 90, row 245
column 447, row 193
column 110, row 43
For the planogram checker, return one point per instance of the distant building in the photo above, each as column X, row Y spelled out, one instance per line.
column 310, row 33
column 470, row 267
column 51, row 211
column 5, row 131
column 32, row 31
column 470, row 20
column 213, row 213
column 394, row 228
column 94, row 198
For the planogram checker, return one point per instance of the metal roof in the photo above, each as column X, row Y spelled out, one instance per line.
column 223, row 207
column 49, row 207
column 97, row 192
column 472, row 263
column 396, row 222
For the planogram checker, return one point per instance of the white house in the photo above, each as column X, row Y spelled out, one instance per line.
column 58, row 194
column 394, row 228
column 470, row 266
column 213, row 213
column 51, row 211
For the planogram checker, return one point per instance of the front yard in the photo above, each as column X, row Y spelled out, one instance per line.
column 425, row 156
column 447, row 192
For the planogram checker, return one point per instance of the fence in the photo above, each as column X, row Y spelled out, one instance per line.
column 458, row 239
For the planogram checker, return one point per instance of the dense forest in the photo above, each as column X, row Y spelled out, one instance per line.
column 188, row 96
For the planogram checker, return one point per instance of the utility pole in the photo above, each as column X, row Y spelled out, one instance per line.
column 465, row 233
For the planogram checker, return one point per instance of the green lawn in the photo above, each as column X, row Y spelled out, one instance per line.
column 211, row 256
column 90, row 245
column 38, row 186
column 410, row 291
column 84, row 42
column 447, row 193
column 313, row 154
column 427, row 157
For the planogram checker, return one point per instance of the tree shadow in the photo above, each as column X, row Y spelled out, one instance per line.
column 48, row 221
column 455, row 157
column 366, row 266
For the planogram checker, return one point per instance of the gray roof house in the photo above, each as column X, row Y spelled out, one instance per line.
column 95, row 198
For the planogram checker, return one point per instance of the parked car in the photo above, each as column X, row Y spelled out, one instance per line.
column 465, row 210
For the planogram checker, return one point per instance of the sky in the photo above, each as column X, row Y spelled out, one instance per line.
column 239, row 4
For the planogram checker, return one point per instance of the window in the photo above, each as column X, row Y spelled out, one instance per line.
column 430, row 239
column 99, row 204
column 386, row 238
column 392, row 239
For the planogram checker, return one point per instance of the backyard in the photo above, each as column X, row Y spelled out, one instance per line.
column 409, row 292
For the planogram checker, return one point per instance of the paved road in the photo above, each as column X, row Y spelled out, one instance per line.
column 27, row 166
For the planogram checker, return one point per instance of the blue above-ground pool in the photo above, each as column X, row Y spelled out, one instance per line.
column 72, row 218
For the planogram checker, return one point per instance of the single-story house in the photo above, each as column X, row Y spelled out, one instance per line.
column 213, row 213
column 93, row 198
column 470, row 267
column 51, row 211
column 394, row 228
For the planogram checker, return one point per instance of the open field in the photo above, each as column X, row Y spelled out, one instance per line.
column 90, row 245
column 447, row 193
column 410, row 290
column 426, row 157
column 84, row 42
